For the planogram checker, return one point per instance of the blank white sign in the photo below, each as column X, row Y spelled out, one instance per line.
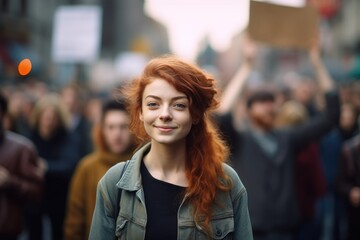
column 76, row 34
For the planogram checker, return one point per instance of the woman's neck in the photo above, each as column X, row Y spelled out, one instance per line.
column 167, row 162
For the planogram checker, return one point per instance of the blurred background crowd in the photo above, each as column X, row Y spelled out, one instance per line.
column 69, row 130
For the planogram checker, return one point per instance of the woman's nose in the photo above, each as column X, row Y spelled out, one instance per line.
column 165, row 114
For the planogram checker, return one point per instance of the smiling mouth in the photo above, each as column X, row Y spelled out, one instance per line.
column 165, row 128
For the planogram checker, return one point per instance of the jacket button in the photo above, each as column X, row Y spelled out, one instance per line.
column 218, row 232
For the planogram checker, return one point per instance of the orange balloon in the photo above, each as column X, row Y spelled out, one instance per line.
column 24, row 67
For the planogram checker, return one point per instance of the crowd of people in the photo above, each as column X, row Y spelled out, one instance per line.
column 297, row 152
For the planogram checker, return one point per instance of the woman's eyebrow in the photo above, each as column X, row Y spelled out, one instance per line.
column 159, row 98
column 152, row 96
column 180, row 97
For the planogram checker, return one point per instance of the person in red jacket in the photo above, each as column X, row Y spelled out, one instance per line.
column 21, row 175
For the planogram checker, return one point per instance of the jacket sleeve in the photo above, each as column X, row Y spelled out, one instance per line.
column 243, row 228
column 320, row 125
column 103, row 225
column 75, row 222
column 104, row 220
column 28, row 183
column 242, row 224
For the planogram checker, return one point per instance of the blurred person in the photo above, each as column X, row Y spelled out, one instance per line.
column 282, row 95
column 348, row 121
column 54, row 143
column 177, row 185
column 345, row 92
column 303, row 91
column 21, row 176
column 15, row 100
column 309, row 177
column 73, row 99
column 114, row 144
column 264, row 156
column 333, row 209
column 348, row 184
column 355, row 98
column 308, row 92
column 37, row 88
column 23, row 123
column 20, row 107
column 9, row 123
column 93, row 110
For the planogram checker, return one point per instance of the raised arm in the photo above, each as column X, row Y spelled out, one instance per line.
column 320, row 125
column 27, row 182
column 236, row 84
column 323, row 77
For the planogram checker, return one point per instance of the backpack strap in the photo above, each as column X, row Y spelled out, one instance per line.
column 118, row 197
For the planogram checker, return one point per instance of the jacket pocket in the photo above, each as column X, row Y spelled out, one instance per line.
column 221, row 228
column 121, row 227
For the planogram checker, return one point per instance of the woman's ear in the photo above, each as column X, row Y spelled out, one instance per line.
column 141, row 116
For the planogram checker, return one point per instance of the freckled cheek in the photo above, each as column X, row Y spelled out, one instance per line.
column 149, row 116
column 148, row 126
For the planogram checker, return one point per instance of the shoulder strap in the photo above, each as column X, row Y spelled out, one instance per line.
column 118, row 198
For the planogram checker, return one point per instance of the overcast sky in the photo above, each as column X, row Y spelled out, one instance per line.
column 189, row 21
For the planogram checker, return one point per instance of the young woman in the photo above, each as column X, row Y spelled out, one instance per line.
column 176, row 186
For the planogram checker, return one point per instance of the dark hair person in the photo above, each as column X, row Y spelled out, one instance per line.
column 113, row 144
column 177, row 185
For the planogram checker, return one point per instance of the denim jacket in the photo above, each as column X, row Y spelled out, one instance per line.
column 230, row 216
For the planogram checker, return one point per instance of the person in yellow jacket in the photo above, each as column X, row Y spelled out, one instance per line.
column 113, row 144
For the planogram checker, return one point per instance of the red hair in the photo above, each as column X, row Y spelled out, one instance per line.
column 98, row 138
column 206, row 151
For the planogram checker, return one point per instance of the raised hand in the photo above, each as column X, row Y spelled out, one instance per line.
column 249, row 49
column 315, row 51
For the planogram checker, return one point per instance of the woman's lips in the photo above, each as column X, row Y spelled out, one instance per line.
column 165, row 128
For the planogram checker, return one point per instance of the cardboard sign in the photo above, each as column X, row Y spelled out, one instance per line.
column 283, row 26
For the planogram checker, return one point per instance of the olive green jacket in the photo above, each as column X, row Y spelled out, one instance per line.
column 230, row 218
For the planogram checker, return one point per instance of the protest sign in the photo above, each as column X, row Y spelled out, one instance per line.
column 283, row 26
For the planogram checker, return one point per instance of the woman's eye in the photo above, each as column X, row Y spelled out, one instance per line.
column 152, row 105
column 179, row 106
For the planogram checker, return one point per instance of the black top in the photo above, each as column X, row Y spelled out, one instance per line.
column 162, row 201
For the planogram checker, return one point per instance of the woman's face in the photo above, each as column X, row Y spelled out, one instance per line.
column 49, row 119
column 165, row 112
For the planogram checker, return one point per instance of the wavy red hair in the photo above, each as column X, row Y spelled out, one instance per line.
column 206, row 151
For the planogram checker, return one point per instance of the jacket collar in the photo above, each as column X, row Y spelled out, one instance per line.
column 131, row 178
